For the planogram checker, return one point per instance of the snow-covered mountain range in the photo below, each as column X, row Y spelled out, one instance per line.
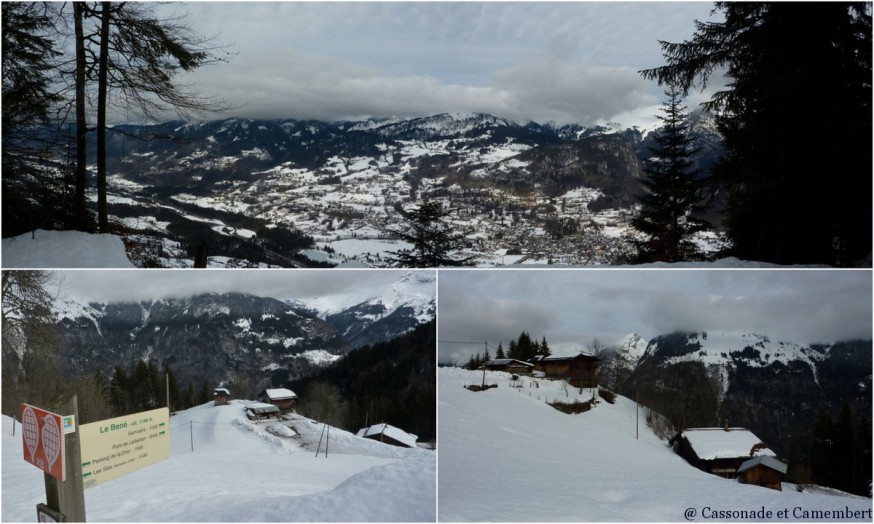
column 771, row 386
column 523, row 192
column 222, row 337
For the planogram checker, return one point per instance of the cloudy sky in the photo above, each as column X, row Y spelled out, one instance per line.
column 138, row 285
column 571, row 307
column 540, row 61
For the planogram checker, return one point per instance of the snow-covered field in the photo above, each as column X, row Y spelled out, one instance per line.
column 56, row 249
column 244, row 471
column 505, row 455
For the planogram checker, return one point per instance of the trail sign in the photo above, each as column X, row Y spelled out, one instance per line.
column 43, row 440
column 113, row 447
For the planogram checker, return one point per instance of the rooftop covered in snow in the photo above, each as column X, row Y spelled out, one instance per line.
column 385, row 430
column 718, row 443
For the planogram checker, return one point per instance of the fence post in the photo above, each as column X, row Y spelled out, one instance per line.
column 191, row 431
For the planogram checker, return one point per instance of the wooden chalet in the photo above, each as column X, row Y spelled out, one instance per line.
column 579, row 371
column 389, row 434
column 510, row 365
column 282, row 398
column 261, row 410
column 221, row 396
column 763, row 470
column 720, row 451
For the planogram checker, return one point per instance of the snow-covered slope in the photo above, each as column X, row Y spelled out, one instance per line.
column 243, row 471
column 57, row 249
column 507, row 456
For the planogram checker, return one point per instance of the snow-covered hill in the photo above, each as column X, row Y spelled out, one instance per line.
column 507, row 456
column 245, row 471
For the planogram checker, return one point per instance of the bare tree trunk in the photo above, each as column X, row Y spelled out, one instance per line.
column 79, row 207
column 102, row 88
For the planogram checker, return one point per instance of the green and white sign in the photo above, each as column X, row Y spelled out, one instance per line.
column 110, row 448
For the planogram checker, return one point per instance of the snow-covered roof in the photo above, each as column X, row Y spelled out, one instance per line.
column 407, row 439
column 279, row 394
column 716, row 443
column 764, row 460
column 506, row 361
column 261, row 408
column 223, row 391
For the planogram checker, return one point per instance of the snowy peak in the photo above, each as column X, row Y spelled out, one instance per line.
column 403, row 305
column 723, row 349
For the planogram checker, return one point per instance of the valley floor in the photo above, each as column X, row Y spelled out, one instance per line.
column 506, row 456
column 243, row 471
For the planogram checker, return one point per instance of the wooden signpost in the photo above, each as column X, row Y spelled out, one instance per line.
column 113, row 447
column 74, row 457
column 51, row 443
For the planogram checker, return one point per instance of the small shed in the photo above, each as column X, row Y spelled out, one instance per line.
column 221, row 396
column 510, row 365
column 389, row 434
column 580, row 370
column 282, row 398
column 763, row 470
column 720, row 451
column 260, row 411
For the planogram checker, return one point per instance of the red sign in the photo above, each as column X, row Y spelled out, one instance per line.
column 43, row 440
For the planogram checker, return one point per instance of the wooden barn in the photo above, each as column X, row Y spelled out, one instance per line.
column 720, row 451
column 763, row 470
column 580, row 370
column 510, row 365
column 389, row 434
column 221, row 396
column 282, row 398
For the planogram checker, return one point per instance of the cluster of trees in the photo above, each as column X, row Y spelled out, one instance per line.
column 144, row 386
column 523, row 348
column 123, row 57
column 392, row 382
column 841, row 453
column 795, row 115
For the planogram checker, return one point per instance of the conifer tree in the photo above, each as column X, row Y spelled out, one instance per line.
column 544, row 348
column 666, row 217
column 499, row 353
column 435, row 242
column 796, row 121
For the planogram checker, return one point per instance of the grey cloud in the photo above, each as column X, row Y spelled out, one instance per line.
column 800, row 306
column 524, row 61
column 139, row 285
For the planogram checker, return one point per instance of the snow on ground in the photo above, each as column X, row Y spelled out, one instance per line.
column 507, row 456
column 64, row 249
column 244, row 471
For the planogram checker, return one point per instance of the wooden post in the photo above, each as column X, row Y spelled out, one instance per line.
column 319, row 447
column 167, row 382
column 68, row 497
column 636, row 416
column 191, row 430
